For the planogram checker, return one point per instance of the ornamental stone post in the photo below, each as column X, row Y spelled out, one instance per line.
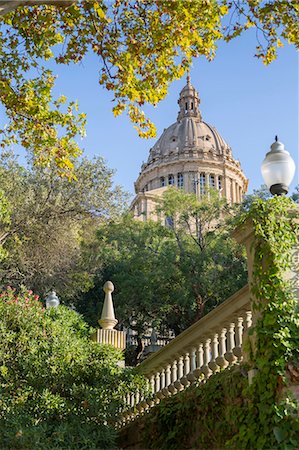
column 107, row 334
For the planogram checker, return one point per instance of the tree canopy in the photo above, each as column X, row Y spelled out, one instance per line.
column 45, row 218
column 168, row 276
column 58, row 388
column 142, row 47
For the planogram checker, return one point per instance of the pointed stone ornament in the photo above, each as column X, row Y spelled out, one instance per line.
column 108, row 320
column 107, row 335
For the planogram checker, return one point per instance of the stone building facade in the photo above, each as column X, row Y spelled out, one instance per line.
column 191, row 155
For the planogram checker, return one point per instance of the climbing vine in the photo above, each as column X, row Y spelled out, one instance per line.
column 204, row 416
column 226, row 412
column 272, row 419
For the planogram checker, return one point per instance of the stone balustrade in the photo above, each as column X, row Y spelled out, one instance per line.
column 206, row 347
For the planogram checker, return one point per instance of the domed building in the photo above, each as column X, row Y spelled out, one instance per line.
column 191, row 155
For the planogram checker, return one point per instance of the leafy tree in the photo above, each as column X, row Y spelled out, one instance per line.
column 49, row 217
column 264, row 194
column 58, row 388
column 168, row 276
column 142, row 47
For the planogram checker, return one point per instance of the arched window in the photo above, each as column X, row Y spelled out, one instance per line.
column 162, row 182
column 202, row 183
column 171, row 180
column 180, row 180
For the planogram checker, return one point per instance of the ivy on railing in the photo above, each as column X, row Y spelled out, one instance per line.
column 272, row 420
column 265, row 413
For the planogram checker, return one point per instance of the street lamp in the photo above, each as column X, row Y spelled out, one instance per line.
column 278, row 169
column 52, row 300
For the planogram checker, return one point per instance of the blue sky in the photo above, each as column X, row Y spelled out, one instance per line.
column 247, row 102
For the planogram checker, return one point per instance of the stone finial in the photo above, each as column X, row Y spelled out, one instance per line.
column 108, row 320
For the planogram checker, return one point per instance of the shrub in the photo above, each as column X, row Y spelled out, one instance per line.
column 58, row 389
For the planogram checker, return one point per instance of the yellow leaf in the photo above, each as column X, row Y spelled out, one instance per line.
column 99, row 11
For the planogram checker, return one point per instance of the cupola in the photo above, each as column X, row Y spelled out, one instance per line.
column 189, row 101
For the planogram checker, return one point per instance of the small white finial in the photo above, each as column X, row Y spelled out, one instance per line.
column 52, row 300
column 188, row 79
column 108, row 320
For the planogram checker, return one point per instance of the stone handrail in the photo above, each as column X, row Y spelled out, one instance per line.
column 212, row 343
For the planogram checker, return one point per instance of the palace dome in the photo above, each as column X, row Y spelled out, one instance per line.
column 191, row 155
column 188, row 132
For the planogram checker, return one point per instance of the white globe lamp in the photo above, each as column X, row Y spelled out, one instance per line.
column 52, row 301
column 278, row 169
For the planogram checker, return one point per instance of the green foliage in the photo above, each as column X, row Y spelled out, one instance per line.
column 226, row 412
column 203, row 416
column 58, row 389
column 168, row 277
column 272, row 419
column 47, row 219
column 142, row 46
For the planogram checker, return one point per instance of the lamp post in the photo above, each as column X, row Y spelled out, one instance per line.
column 278, row 169
column 52, row 301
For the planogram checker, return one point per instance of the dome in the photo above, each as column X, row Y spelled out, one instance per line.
column 191, row 155
column 188, row 132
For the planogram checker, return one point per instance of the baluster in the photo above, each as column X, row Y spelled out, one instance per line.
column 174, row 377
column 129, row 415
column 156, row 388
column 213, row 364
column 128, row 400
column 137, row 404
column 229, row 356
column 207, row 355
column 144, row 403
column 157, row 384
column 220, row 360
column 191, row 376
column 185, row 380
column 248, row 320
column 162, row 378
column 141, row 405
column 124, row 410
column 166, row 391
column 198, row 371
column 179, row 386
column 160, row 394
column 237, row 351
column 132, row 403
column 151, row 400
column 168, row 375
